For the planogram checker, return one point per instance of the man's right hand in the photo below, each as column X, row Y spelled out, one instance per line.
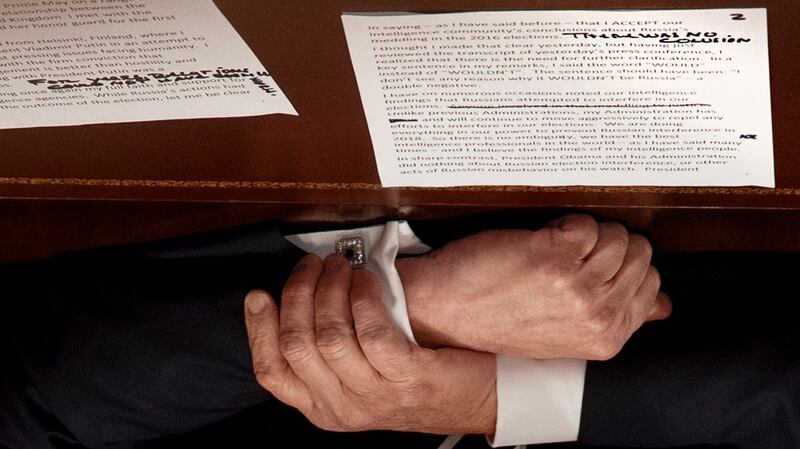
column 575, row 289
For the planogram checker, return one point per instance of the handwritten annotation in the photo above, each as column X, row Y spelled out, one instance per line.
column 707, row 37
column 161, row 78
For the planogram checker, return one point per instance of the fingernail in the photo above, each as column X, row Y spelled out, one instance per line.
column 256, row 303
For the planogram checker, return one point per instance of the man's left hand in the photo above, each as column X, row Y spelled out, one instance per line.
column 334, row 354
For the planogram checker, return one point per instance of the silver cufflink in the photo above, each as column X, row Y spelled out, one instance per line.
column 353, row 249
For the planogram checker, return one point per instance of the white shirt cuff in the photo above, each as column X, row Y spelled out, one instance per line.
column 538, row 401
column 383, row 243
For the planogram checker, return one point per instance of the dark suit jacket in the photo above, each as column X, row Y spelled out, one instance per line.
column 135, row 342
column 108, row 347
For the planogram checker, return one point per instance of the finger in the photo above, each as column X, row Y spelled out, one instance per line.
column 297, row 337
column 606, row 258
column 576, row 233
column 335, row 334
column 635, row 267
column 384, row 345
column 663, row 308
column 271, row 369
column 646, row 301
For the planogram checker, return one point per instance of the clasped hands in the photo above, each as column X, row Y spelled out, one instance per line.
column 574, row 289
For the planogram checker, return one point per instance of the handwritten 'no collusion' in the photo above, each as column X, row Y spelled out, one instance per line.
column 702, row 37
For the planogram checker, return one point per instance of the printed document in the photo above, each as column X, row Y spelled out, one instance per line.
column 619, row 98
column 73, row 62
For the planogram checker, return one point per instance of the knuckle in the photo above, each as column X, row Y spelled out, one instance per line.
column 332, row 339
column 620, row 248
column 611, row 342
column 565, row 281
column 650, row 285
column 297, row 291
column 586, row 298
column 616, row 237
column 560, row 280
column 295, row 345
column 618, row 230
column 256, row 339
column 265, row 378
column 587, row 229
column 577, row 232
column 580, row 222
column 592, row 287
column 642, row 245
column 552, row 235
column 602, row 321
column 653, row 272
column 271, row 379
column 361, row 306
column 583, row 304
column 375, row 335
column 584, row 243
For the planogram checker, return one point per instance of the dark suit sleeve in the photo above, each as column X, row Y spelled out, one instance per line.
column 724, row 369
column 122, row 344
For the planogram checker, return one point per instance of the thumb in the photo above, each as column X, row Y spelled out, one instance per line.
column 261, row 320
column 271, row 369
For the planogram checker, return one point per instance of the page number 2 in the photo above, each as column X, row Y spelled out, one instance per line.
column 738, row 17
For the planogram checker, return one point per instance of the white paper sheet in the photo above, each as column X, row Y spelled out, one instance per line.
column 71, row 62
column 677, row 97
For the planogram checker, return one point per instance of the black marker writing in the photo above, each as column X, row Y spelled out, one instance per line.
column 221, row 73
column 702, row 37
column 65, row 84
column 266, row 88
